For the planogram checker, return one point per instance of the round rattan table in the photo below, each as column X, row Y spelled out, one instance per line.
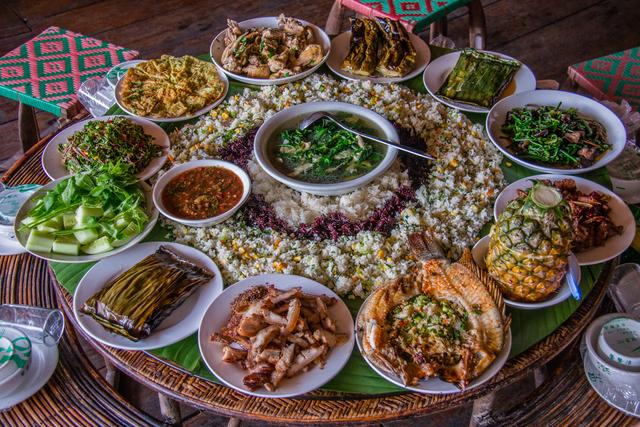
column 316, row 407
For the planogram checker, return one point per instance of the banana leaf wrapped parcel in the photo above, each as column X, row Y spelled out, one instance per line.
column 478, row 78
column 139, row 299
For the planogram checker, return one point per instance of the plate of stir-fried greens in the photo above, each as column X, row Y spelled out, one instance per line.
column 553, row 131
column 139, row 145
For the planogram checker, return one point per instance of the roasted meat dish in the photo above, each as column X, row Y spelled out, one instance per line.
column 592, row 225
column 271, row 53
column 443, row 320
column 379, row 46
column 276, row 334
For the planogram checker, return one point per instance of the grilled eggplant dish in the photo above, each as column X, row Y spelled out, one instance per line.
column 478, row 78
column 379, row 47
column 139, row 299
column 443, row 320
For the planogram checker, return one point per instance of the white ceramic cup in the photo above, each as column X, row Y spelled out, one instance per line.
column 619, row 342
column 12, row 374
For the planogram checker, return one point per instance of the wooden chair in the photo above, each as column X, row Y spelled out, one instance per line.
column 416, row 16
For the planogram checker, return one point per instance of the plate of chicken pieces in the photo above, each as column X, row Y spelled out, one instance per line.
column 270, row 50
column 440, row 329
column 276, row 335
column 603, row 225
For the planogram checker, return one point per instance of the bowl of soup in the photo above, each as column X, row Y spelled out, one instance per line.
column 324, row 159
column 201, row 193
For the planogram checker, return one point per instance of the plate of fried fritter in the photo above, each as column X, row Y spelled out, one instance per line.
column 270, row 50
column 602, row 223
column 276, row 335
column 170, row 89
column 380, row 50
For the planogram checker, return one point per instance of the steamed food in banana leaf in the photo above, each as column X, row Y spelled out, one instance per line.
column 379, row 46
column 139, row 299
column 478, row 78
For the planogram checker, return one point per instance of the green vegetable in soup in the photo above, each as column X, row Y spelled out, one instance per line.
column 325, row 153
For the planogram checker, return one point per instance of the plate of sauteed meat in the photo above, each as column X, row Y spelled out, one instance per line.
column 276, row 335
column 270, row 50
column 438, row 330
column 602, row 224
column 380, row 50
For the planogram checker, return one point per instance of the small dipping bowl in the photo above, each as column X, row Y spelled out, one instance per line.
column 619, row 342
column 6, row 353
column 164, row 180
column 616, row 373
column 12, row 374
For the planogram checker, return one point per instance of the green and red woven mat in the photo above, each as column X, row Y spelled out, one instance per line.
column 614, row 77
column 415, row 15
column 46, row 71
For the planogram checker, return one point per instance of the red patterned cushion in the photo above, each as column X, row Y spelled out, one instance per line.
column 46, row 71
column 614, row 77
column 415, row 15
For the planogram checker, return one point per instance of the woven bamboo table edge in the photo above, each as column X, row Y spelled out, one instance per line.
column 76, row 394
column 321, row 406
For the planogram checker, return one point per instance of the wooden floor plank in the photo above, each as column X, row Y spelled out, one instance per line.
column 10, row 23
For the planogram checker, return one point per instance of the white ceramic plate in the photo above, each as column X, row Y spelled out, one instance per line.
column 292, row 116
column 52, row 160
column 22, row 236
column 183, row 322
column 217, row 47
column 436, row 385
column 43, row 364
column 176, row 170
column 117, row 71
column 231, row 374
column 214, row 104
column 479, row 251
column 437, row 71
column 620, row 215
column 616, row 134
column 340, row 49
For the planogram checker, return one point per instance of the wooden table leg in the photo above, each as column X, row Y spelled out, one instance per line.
column 481, row 408
column 477, row 25
column 437, row 28
column 170, row 410
column 233, row 422
column 27, row 126
column 112, row 376
column 334, row 20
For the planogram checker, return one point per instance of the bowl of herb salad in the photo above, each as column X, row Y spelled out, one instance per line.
column 553, row 131
column 88, row 216
column 324, row 159
column 139, row 144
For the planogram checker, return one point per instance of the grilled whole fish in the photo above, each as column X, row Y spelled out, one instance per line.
column 443, row 320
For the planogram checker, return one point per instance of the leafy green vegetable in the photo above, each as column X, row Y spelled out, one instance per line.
column 558, row 137
column 101, row 142
column 325, row 153
column 110, row 187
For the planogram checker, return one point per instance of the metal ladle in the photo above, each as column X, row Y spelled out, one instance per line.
column 325, row 115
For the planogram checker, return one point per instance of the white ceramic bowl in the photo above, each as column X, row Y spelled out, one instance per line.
column 619, row 341
column 290, row 117
column 479, row 252
column 439, row 69
column 6, row 355
column 217, row 47
column 615, row 374
column 12, row 374
column 620, row 214
column 22, row 236
column 616, row 134
column 176, row 170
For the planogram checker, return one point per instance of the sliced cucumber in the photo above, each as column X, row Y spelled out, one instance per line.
column 86, row 236
column 127, row 233
column 85, row 212
column 119, row 242
column 69, row 220
column 66, row 245
column 52, row 225
column 122, row 222
column 27, row 221
column 39, row 241
column 97, row 246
